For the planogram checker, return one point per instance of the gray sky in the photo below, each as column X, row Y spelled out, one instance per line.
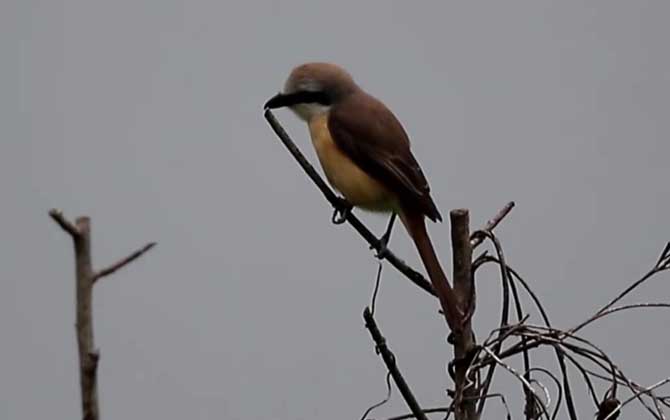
column 146, row 115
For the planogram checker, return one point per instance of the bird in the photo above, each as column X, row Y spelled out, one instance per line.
column 364, row 152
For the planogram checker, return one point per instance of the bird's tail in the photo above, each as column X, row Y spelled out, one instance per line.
column 415, row 223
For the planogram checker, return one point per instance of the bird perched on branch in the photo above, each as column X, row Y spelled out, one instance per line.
column 365, row 153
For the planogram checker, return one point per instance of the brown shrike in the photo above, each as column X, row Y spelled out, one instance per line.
column 364, row 151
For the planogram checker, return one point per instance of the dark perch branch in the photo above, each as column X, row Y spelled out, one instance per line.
column 80, row 232
column 413, row 275
column 463, row 337
column 389, row 360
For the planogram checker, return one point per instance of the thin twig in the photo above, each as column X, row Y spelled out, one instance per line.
column 664, row 258
column 558, row 388
column 610, row 311
column 636, row 395
column 521, row 379
column 569, row 401
column 585, row 375
column 65, row 224
column 382, row 402
column 378, row 279
column 607, row 408
column 658, row 267
column 508, row 415
column 504, row 316
column 389, row 360
column 476, row 239
column 123, row 262
column 655, row 400
column 530, row 405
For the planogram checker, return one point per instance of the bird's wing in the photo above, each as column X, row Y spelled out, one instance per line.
column 373, row 138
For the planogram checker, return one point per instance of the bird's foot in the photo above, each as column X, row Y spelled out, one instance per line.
column 382, row 248
column 342, row 210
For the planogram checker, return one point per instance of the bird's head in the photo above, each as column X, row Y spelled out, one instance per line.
column 312, row 88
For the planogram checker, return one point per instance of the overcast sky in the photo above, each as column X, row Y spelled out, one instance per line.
column 147, row 116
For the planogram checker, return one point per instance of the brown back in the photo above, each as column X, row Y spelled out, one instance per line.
column 371, row 136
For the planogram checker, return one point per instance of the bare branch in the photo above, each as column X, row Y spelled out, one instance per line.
column 523, row 380
column 662, row 264
column 88, row 355
column 508, row 415
column 382, row 402
column 504, row 315
column 389, row 360
column 614, row 412
column 566, row 384
column 123, row 262
column 66, row 225
column 469, row 359
column 80, row 232
column 664, row 258
column 585, row 376
column 476, row 239
column 462, row 259
column 608, row 409
column 610, row 311
column 556, row 382
column 463, row 336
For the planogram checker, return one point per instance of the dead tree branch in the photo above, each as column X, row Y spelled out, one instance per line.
column 65, row 224
column 579, row 351
column 474, row 366
column 463, row 336
column 80, row 232
column 123, row 262
column 389, row 360
column 477, row 238
column 522, row 379
column 662, row 264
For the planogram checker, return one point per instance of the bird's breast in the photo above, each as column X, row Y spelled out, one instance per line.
column 359, row 188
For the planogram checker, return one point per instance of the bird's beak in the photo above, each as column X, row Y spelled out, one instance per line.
column 278, row 101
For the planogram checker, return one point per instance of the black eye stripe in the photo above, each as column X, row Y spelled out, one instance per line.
column 308, row 97
column 301, row 97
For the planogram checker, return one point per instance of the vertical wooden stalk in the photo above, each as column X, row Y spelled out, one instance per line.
column 86, row 276
column 463, row 337
column 88, row 355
